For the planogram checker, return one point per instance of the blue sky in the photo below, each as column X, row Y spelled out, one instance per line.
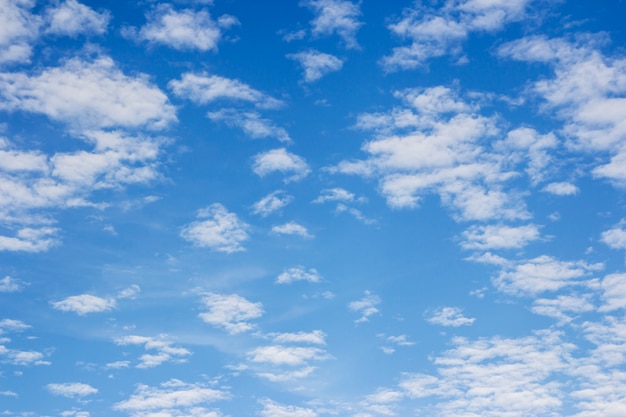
column 312, row 208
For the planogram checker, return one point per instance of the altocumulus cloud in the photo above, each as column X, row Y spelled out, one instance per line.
column 231, row 312
column 71, row 389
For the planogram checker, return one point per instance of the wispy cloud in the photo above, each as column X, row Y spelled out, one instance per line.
column 449, row 317
column 365, row 306
column 292, row 228
column 316, row 64
column 282, row 161
column 298, row 273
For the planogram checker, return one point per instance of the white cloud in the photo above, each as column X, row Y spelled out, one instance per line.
column 292, row 228
column 450, row 317
column 541, row 274
column 365, row 306
column 84, row 304
column 10, row 325
column 613, row 292
column 164, row 351
column 615, row 238
column 72, row 389
column 561, row 188
column 222, row 231
column 130, row 292
column 171, row 398
column 271, row 203
column 287, row 355
column 282, row 161
column 203, row 88
column 336, row 16
column 29, row 239
column 316, row 337
column 560, row 307
column 231, row 312
column 18, row 29
column 495, row 377
column 499, row 236
column 316, row 64
column 9, row 284
column 183, row 30
column 435, row 32
column 298, row 273
column 400, row 340
column 272, row 409
column 586, row 92
column 72, row 18
column 88, row 95
column 251, row 123
column 444, row 152
column 335, row 194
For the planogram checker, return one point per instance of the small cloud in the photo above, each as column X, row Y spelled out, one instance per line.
column 271, row 203
column 9, row 284
column 164, row 351
column 298, row 273
column 231, row 312
column 614, row 238
column 30, row 240
column 316, row 337
column 130, row 292
column 335, row 194
column 10, row 325
column 499, row 237
column 336, row 16
column 450, row 317
column 561, row 188
column 222, row 231
column 71, row 389
column 316, row 64
column 72, row 18
column 84, row 304
column 251, row 123
column 365, row 306
column 282, row 161
column 292, row 228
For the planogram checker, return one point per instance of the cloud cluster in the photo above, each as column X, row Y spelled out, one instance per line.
column 218, row 229
column 336, row 16
column 231, row 312
column 164, row 351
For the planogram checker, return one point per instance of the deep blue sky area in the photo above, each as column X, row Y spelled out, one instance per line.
column 226, row 208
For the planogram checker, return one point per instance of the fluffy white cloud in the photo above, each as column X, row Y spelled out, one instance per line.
column 437, row 149
column 88, row 95
column 272, row 409
column 292, row 228
column 30, row 239
column 251, row 123
column 541, row 274
column 562, row 306
column 437, row 31
column 171, row 398
column 72, row 18
column 203, row 88
column 222, row 231
column 615, row 238
column 561, row 188
column 613, row 292
column 316, row 64
column 71, row 389
column 10, row 325
column 495, row 377
column 450, row 317
column 231, row 312
column 336, row 16
column 9, row 284
column 365, row 306
column 287, row 355
column 164, row 351
column 316, row 337
column 183, row 29
column 84, row 304
column 499, row 236
column 271, row 203
column 18, row 29
column 282, row 161
column 298, row 273
column 586, row 92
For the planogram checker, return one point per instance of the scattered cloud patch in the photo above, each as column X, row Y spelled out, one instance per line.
column 84, row 304
column 365, row 306
column 222, row 230
column 450, row 317
column 273, row 409
column 282, row 161
column 230, row 312
column 30, row 239
column 9, row 284
column 292, row 228
column 184, row 29
column 561, row 188
column 614, row 238
column 271, row 203
column 71, row 18
column 316, row 337
column 203, row 88
column 336, row 16
column 316, row 64
column 72, row 389
column 164, row 351
column 130, row 292
column 499, row 237
column 298, row 273
column 19, row 29
column 251, row 123
column 11, row 325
